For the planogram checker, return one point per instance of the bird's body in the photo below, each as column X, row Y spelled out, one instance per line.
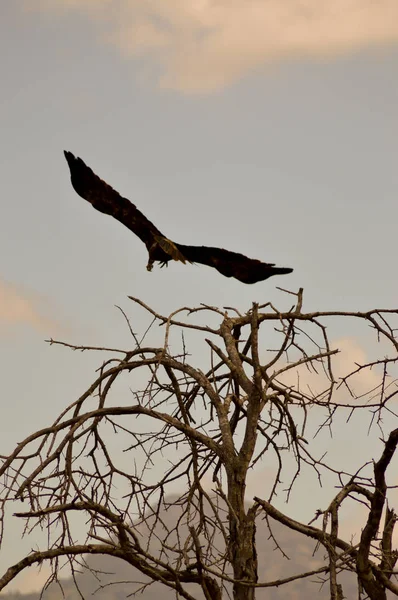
column 107, row 200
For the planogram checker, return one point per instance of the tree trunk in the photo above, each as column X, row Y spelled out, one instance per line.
column 243, row 554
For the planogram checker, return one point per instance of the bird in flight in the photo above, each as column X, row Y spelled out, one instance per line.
column 107, row 200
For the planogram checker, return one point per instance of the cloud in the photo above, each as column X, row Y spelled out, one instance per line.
column 362, row 386
column 31, row 580
column 19, row 307
column 205, row 45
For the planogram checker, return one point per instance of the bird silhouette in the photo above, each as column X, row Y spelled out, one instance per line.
column 161, row 249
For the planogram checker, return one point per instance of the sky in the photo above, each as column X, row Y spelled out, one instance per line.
column 267, row 128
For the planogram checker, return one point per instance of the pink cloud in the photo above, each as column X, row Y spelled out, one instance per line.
column 30, row 580
column 204, row 45
column 20, row 307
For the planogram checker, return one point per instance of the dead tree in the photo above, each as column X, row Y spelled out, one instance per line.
column 116, row 456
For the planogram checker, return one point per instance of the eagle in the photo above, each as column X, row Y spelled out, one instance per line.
column 160, row 248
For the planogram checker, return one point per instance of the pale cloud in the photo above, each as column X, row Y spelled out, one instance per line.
column 30, row 580
column 364, row 383
column 20, row 307
column 204, row 45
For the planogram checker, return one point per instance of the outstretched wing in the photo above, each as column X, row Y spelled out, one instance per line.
column 107, row 200
column 232, row 264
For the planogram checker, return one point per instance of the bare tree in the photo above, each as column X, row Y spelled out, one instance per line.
column 116, row 457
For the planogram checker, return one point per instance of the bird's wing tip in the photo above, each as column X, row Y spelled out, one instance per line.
column 284, row 270
column 71, row 159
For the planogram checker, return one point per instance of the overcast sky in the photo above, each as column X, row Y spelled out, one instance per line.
column 268, row 128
